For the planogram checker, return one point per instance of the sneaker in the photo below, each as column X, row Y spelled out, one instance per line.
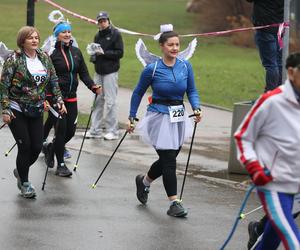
column 67, row 154
column 253, row 233
column 142, row 191
column 111, row 136
column 27, row 190
column 177, row 210
column 90, row 135
column 49, row 155
column 63, row 171
column 16, row 174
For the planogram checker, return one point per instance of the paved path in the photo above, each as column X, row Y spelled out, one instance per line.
column 69, row 215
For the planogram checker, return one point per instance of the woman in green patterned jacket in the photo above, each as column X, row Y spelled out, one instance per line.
column 25, row 76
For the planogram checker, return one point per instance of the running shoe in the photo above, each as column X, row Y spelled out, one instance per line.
column 27, row 190
column 90, row 135
column 67, row 154
column 111, row 136
column 177, row 210
column 253, row 233
column 142, row 191
column 63, row 171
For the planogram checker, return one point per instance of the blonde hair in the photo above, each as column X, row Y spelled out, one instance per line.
column 24, row 33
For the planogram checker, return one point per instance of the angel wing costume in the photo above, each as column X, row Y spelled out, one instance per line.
column 146, row 57
column 49, row 44
column 4, row 52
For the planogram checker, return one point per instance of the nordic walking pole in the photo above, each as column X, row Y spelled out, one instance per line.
column 12, row 147
column 94, row 185
column 56, row 129
column 243, row 215
column 87, row 126
column 188, row 160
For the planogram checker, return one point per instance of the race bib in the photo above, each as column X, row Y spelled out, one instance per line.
column 176, row 113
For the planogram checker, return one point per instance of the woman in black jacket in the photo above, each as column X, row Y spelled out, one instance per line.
column 69, row 63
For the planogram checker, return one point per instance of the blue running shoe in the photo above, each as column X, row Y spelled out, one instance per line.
column 67, row 154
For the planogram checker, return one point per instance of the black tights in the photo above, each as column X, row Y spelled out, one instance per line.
column 166, row 166
column 28, row 133
column 64, row 129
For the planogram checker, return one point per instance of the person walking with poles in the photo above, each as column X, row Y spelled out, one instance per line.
column 69, row 63
column 166, row 124
column 26, row 74
column 107, row 65
column 268, row 146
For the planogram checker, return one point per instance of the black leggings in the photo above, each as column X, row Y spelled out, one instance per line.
column 64, row 129
column 28, row 133
column 166, row 166
column 48, row 126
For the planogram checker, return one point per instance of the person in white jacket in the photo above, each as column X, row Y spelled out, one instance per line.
column 268, row 145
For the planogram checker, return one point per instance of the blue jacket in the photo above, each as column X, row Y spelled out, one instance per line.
column 167, row 83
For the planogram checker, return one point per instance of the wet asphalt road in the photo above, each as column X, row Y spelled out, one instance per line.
column 69, row 214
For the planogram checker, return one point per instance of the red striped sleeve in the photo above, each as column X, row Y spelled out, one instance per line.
column 238, row 136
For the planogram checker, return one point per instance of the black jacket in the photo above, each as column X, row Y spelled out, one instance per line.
column 111, row 42
column 69, row 63
column 267, row 12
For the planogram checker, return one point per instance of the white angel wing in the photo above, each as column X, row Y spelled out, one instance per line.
column 189, row 51
column 49, row 44
column 143, row 54
column 4, row 52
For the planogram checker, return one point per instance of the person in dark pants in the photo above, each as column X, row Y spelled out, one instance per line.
column 269, row 12
column 166, row 124
column 26, row 74
column 69, row 63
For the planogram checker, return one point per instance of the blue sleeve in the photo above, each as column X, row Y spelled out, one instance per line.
column 140, row 89
column 191, row 90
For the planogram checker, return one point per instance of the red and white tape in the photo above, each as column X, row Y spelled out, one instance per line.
column 281, row 26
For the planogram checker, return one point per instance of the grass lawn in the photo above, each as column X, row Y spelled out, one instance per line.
column 224, row 74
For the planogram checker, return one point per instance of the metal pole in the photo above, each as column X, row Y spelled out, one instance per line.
column 286, row 38
column 30, row 12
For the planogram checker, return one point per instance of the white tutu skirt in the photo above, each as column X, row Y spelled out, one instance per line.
column 157, row 130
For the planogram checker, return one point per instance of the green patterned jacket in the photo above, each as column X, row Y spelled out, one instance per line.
column 17, row 83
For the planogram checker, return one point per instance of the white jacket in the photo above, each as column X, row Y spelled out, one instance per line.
column 270, row 133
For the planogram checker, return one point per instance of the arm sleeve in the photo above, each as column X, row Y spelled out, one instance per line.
column 191, row 91
column 249, row 131
column 84, row 73
column 118, row 49
column 6, row 80
column 140, row 89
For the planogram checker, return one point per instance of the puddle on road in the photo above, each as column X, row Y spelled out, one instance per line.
column 222, row 174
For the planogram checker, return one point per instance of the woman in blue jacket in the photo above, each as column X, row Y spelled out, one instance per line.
column 166, row 124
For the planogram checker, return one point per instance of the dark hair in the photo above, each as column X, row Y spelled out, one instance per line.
column 166, row 35
column 293, row 60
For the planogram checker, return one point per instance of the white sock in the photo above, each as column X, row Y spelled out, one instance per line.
column 171, row 202
column 146, row 182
